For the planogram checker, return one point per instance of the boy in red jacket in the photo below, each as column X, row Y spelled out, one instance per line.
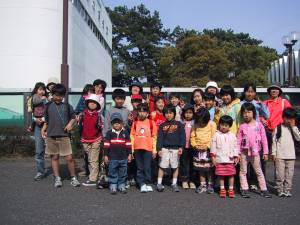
column 91, row 126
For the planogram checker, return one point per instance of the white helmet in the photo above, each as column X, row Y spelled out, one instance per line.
column 93, row 98
column 212, row 84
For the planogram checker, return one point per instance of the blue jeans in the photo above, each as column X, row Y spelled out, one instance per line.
column 117, row 173
column 39, row 149
column 143, row 161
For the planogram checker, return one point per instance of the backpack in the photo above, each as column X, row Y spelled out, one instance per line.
column 150, row 123
column 279, row 133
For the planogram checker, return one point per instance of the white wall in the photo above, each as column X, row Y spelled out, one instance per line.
column 88, row 59
column 31, row 42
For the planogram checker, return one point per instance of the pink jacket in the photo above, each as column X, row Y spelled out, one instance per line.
column 252, row 138
column 276, row 108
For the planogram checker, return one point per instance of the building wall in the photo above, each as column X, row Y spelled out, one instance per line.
column 30, row 43
column 89, row 50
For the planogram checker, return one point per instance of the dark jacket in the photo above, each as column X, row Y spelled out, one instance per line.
column 171, row 134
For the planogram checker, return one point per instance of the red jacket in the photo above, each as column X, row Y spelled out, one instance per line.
column 276, row 108
column 91, row 132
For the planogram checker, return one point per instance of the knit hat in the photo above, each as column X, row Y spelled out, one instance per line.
column 116, row 116
column 275, row 85
column 93, row 98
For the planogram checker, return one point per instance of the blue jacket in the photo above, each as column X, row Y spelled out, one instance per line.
column 261, row 109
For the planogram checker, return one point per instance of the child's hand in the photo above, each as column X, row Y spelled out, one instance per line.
column 68, row 128
column 266, row 157
column 106, row 159
column 130, row 117
column 274, row 157
column 44, row 134
column 129, row 158
column 160, row 153
column 154, row 155
column 236, row 160
column 292, row 122
column 180, row 151
column 77, row 118
column 214, row 161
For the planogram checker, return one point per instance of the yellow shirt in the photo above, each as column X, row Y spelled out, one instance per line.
column 203, row 135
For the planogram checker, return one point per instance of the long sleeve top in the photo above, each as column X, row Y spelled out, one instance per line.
column 203, row 135
column 224, row 147
column 284, row 148
column 252, row 138
column 261, row 109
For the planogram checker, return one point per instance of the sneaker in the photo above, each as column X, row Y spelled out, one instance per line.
column 75, row 182
column 149, row 188
column 160, row 187
column 192, row 185
column 288, row 194
column 113, row 190
column 231, row 193
column 123, row 190
column 281, row 194
column 265, row 194
column 132, row 182
column 38, row 176
column 210, row 189
column 175, row 188
column 144, row 188
column 127, row 185
column 201, row 189
column 89, row 183
column 245, row 194
column 253, row 188
column 57, row 182
column 222, row 193
column 185, row 185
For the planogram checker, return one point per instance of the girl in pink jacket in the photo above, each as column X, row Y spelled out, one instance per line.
column 251, row 139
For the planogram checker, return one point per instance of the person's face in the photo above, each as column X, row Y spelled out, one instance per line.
column 197, row 98
column 135, row 104
column 40, row 91
column 50, row 87
column 92, row 105
column 160, row 104
column 155, row 91
column 209, row 103
column 188, row 115
column 135, row 90
column 174, row 101
column 143, row 115
column 250, row 94
column 57, row 98
column 119, row 101
column 212, row 90
column 248, row 116
column 289, row 121
column 226, row 99
column 98, row 89
column 117, row 125
column 169, row 116
column 274, row 93
column 224, row 128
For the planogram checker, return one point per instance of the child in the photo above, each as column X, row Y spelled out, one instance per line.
column 283, row 151
column 158, row 115
column 100, row 86
column 118, row 97
column 51, row 83
column 224, row 154
column 59, row 119
column 155, row 91
column 143, row 136
column 251, row 136
column 117, row 152
column 135, row 89
column 38, row 112
column 212, row 87
column 170, row 144
column 209, row 101
column 197, row 99
column 231, row 106
column 201, row 136
column 174, row 100
column 91, row 123
column 87, row 90
column 187, row 154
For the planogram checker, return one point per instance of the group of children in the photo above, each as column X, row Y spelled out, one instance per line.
column 206, row 143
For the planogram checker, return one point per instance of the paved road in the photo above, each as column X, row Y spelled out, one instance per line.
column 23, row 201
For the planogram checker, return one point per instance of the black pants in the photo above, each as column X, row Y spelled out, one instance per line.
column 186, row 165
column 143, row 161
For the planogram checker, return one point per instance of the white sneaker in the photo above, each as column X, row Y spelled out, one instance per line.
column 57, row 182
column 144, row 189
column 75, row 182
column 149, row 188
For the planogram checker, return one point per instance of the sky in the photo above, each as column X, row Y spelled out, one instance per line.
column 266, row 20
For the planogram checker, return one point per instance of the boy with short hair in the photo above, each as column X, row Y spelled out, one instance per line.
column 175, row 100
column 209, row 101
column 59, row 119
column 283, row 151
column 170, row 143
column 117, row 153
